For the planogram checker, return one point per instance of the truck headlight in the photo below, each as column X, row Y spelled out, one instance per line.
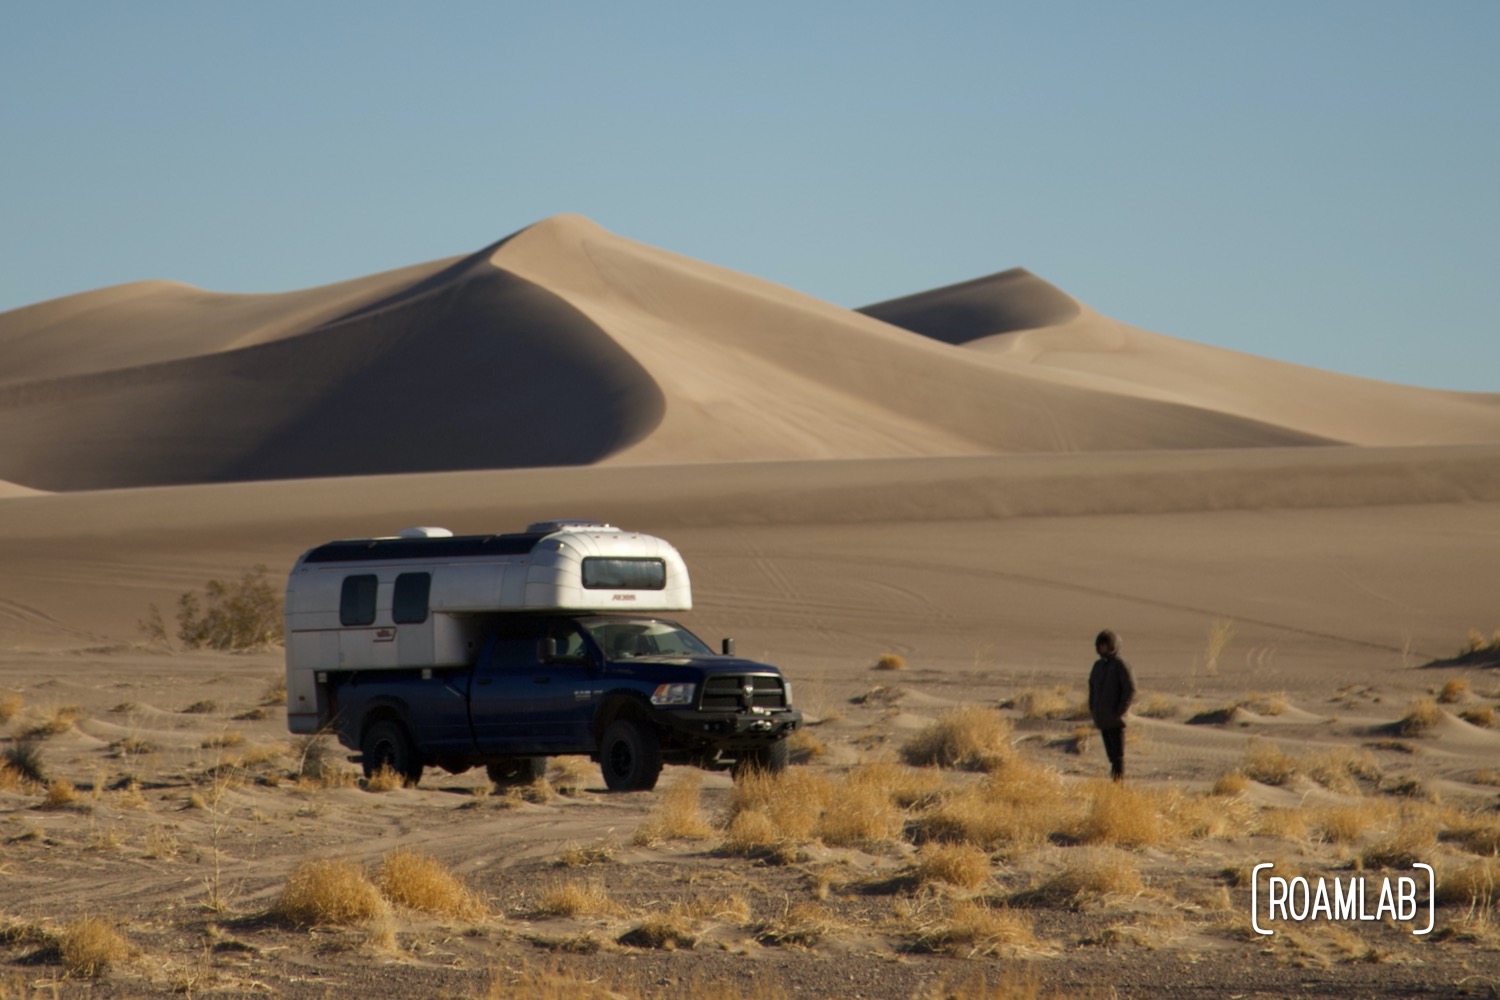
column 673, row 694
column 786, row 687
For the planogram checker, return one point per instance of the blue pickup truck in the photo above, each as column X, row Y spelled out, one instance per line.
column 503, row 650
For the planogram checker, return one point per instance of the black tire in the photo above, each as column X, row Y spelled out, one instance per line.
column 772, row 758
column 386, row 744
column 630, row 756
column 516, row 770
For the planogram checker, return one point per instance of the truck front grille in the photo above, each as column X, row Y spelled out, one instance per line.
column 738, row 692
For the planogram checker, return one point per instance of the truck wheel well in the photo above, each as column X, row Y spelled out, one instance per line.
column 619, row 707
column 380, row 714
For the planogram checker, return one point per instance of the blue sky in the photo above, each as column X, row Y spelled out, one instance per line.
column 1309, row 181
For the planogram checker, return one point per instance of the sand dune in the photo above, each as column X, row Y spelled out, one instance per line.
column 1018, row 318
column 565, row 344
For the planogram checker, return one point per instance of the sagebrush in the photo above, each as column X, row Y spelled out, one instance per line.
column 243, row 614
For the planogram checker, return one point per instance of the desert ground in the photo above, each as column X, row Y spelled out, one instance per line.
column 922, row 511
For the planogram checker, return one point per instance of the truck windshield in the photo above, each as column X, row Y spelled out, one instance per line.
column 622, row 640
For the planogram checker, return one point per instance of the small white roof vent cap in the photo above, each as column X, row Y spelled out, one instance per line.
column 425, row 532
column 567, row 524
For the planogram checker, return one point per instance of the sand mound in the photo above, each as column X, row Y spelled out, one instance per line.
column 999, row 303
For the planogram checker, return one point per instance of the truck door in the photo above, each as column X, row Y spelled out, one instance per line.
column 520, row 705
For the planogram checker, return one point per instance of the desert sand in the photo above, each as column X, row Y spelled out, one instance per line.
column 924, row 507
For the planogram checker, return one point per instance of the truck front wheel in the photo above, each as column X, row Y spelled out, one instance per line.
column 630, row 756
column 771, row 758
column 387, row 745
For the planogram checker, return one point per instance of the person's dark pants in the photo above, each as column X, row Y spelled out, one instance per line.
column 1114, row 749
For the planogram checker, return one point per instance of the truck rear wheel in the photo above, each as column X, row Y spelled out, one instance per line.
column 771, row 758
column 516, row 770
column 386, row 744
column 630, row 756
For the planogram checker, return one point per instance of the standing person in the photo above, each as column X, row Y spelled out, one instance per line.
column 1111, row 690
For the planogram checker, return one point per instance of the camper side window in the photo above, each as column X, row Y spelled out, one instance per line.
column 357, row 602
column 409, row 605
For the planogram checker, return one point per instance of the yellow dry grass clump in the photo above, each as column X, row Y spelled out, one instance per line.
column 890, row 661
column 972, row 737
column 1122, row 816
column 1018, row 804
column 975, row 928
column 1265, row 763
column 1092, row 872
column 89, row 945
column 1046, row 704
column 679, row 814
column 329, row 892
column 768, row 810
column 1454, row 690
column 1476, row 884
column 961, row 865
column 385, row 779
column 420, row 882
column 1231, row 783
column 60, row 794
column 10, row 706
column 576, row 899
column 1421, row 715
column 862, row 810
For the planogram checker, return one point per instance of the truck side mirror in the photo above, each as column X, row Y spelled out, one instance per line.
column 547, row 650
column 728, row 647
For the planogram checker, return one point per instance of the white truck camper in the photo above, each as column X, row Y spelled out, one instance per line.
column 425, row 598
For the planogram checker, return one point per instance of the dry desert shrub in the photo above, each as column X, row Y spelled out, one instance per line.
column 12, row 780
column 890, row 661
column 679, row 814
column 229, row 738
column 385, row 779
column 663, row 932
column 10, row 706
column 1482, row 716
column 1338, row 768
column 578, row 856
column 244, row 614
column 24, row 757
column 1020, row 804
column 972, row 737
column 1231, row 783
column 1157, row 706
column 961, row 865
column 1266, row 704
column 908, row 787
column 1281, row 824
column 318, row 764
column 1476, row 884
column 576, row 899
column 805, row 924
column 973, row 929
column 733, row 908
column 326, row 891
column 1123, row 816
column 1090, row 872
column 789, row 803
column 861, row 811
column 206, row 706
column 1421, row 715
column 420, row 882
column 53, row 722
column 89, row 945
column 1265, row 763
column 275, row 692
column 60, row 794
column 1057, row 702
column 804, row 746
column 570, row 775
column 1454, row 690
column 1411, row 842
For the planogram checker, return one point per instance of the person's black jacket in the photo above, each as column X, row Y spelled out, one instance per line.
column 1111, row 690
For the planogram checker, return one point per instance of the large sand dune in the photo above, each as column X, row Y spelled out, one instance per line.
column 567, row 345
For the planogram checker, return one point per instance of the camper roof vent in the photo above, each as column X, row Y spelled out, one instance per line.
column 425, row 532
column 565, row 524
